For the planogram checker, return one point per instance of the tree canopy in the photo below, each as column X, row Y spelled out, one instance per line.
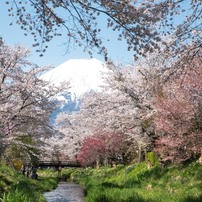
column 146, row 26
column 142, row 106
column 139, row 105
column 26, row 101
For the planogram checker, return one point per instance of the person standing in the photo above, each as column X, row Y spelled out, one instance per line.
column 23, row 169
column 29, row 170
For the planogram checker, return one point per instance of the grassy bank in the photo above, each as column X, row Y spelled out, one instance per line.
column 15, row 187
column 136, row 183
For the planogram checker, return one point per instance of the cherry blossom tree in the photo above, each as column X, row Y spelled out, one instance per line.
column 141, row 23
column 178, row 115
column 146, row 105
column 26, row 101
column 98, row 114
column 103, row 149
column 91, row 151
column 133, row 83
column 118, row 109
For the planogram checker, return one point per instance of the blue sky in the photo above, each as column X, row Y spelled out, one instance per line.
column 56, row 53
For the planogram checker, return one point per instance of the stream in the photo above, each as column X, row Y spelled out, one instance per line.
column 65, row 192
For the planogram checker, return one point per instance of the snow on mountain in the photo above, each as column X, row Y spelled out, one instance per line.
column 84, row 75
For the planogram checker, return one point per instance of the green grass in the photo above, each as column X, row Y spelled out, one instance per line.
column 15, row 187
column 134, row 183
column 137, row 183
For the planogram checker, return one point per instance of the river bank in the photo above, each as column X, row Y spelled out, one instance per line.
column 137, row 183
column 15, row 187
column 118, row 184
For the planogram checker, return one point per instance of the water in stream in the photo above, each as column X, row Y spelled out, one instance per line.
column 65, row 192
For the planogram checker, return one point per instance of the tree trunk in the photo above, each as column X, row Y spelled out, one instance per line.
column 98, row 162
column 139, row 154
column 200, row 159
column 106, row 160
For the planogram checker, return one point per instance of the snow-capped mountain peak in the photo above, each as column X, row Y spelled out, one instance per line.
column 84, row 75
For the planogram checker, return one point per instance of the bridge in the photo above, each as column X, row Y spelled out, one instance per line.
column 57, row 164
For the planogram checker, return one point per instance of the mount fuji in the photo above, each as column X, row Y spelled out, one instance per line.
column 84, row 75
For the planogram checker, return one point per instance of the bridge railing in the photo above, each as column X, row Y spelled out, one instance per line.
column 58, row 163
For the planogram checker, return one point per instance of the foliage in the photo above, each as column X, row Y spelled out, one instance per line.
column 103, row 148
column 141, row 23
column 150, row 108
column 16, row 187
column 136, row 182
column 21, row 153
column 178, row 112
column 26, row 100
column 118, row 110
column 153, row 108
column 15, row 196
column 92, row 149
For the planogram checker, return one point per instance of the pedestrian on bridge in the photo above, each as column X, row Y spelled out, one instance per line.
column 23, row 169
column 29, row 170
